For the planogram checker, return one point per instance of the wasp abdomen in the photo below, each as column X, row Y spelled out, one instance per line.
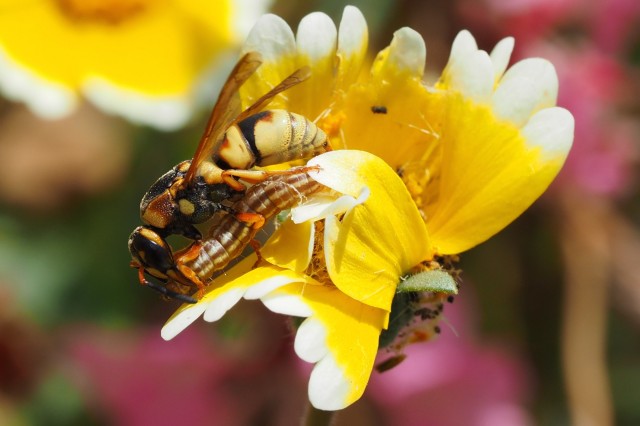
column 271, row 137
column 277, row 194
column 230, row 239
column 230, row 236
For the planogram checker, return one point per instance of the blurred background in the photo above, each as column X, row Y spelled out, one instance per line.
column 546, row 329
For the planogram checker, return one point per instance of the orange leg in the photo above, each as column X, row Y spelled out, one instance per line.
column 255, row 245
column 162, row 289
column 257, row 176
column 192, row 278
column 255, row 220
column 141, row 278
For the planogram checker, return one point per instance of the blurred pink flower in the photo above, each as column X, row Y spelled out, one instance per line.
column 526, row 20
column 454, row 381
column 136, row 378
column 611, row 22
column 608, row 23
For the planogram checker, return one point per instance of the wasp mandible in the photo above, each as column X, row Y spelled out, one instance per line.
column 189, row 270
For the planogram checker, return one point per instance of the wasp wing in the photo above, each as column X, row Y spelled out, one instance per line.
column 225, row 111
column 294, row 79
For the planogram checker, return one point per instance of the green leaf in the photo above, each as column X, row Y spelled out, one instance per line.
column 437, row 281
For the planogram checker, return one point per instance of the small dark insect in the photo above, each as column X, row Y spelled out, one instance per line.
column 379, row 109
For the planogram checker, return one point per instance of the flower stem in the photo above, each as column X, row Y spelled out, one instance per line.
column 587, row 255
column 314, row 417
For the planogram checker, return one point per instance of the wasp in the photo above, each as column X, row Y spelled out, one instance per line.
column 190, row 269
column 233, row 142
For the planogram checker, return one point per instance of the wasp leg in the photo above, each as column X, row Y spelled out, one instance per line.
column 192, row 253
column 170, row 293
column 255, row 245
column 257, row 176
column 255, row 220
column 162, row 289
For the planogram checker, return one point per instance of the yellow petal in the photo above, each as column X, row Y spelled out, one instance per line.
column 316, row 41
column 353, row 40
column 378, row 241
column 340, row 336
column 490, row 171
column 152, row 52
column 402, row 130
column 225, row 291
column 290, row 246
column 137, row 58
column 273, row 39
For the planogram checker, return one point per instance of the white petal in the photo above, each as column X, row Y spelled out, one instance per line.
column 46, row 99
column 542, row 73
column 552, row 130
column 310, row 344
column 320, row 208
column 473, row 76
column 164, row 113
column 272, row 37
column 470, row 70
column 268, row 285
column 182, row 320
column 328, row 388
column 340, row 171
column 286, row 304
column 500, row 56
column 353, row 39
column 516, row 100
column 353, row 34
column 408, row 51
column 463, row 45
column 222, row 303
column 317, row 37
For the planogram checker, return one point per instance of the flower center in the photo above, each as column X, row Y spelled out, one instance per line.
column 416, row 176
column 331, row 124
column 109, row 11
column 317, row 268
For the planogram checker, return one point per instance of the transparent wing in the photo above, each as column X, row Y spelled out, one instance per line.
column 295, row 78
column 225, row 111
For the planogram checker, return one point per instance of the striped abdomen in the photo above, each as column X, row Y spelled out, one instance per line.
column 270, row 137
column 229, row 237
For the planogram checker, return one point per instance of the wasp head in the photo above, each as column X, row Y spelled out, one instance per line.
column 152, row 255
column 151, row 252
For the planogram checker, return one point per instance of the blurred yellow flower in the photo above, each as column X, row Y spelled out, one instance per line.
column 425, row 171
column 140, row 59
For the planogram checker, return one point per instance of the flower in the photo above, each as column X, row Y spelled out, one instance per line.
column 423, row 172
column 138, row 58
